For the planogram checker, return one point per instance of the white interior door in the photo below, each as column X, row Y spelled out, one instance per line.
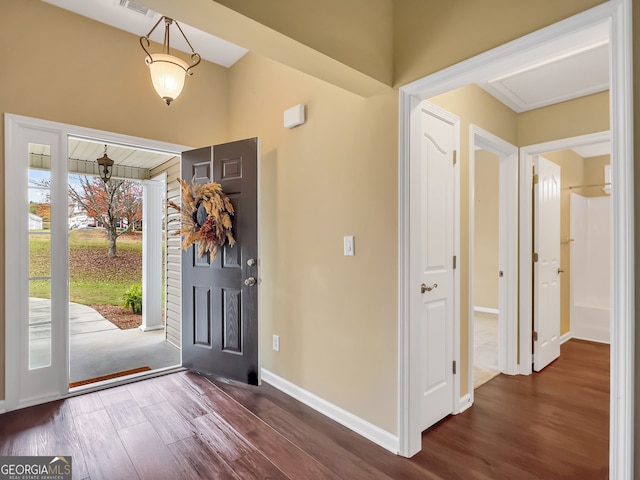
column 436, row 257
column 37, row 306
column 546, row 270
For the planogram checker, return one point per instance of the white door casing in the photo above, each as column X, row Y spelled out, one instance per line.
column 37, row 328
column 546, row 270
column 617, row 13
column 508, row 250
column 153, row 193
column 24, row 387
column 439, row 134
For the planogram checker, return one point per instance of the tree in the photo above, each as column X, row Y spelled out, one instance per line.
column 116, row 204
column 44, row 210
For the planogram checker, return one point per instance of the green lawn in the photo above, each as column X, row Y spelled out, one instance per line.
column 94, row 279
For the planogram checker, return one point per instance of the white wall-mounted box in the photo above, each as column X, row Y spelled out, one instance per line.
column 294, row 116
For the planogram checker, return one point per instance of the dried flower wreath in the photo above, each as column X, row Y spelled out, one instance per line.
column 206, row 217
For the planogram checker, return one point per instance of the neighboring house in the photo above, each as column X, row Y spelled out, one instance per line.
column 81, row 221
column 35, row 222
column 337, row 175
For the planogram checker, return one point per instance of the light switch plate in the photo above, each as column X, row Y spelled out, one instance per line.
column 349, row 248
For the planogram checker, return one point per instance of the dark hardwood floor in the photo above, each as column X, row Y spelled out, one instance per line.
column 551, row 425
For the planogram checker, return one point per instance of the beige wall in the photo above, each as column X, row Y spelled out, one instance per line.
column 66, row 82
column 358, row 33
column 65, row 68
column 572, row 173
column 486, row 229
column 583, row 115
column 430, row 35
column 594, row 175
column 335, row 175
column 636, row 203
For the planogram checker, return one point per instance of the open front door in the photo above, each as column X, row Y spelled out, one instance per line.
column 220, row 296
column 546, row 270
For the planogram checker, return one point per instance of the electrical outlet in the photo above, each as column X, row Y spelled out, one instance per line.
column 276, row 343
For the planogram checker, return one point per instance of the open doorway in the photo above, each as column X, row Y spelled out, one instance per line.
column 117, row 265
column 585, row 253
column 116, row 260
column 611, row 17
column 486, row 267
column 43, row 147
column 493, row 254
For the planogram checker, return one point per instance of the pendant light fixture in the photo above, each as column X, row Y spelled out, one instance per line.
column 106, row 166
column 168, row 72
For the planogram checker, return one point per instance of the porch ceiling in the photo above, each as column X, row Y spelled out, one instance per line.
column 129, row 162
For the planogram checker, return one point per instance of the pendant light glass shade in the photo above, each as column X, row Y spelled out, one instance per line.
column 167, row 74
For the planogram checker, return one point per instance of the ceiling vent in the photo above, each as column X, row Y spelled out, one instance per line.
column 137, row 8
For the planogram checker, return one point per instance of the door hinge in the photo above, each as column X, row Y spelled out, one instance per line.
column 455, row 157
column 535, row 257
column 535, row 336
column 455, row 367
column 535, row 179
column 455, row 262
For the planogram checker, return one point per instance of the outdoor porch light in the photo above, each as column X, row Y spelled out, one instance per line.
column 106, row 166
column 168, row 72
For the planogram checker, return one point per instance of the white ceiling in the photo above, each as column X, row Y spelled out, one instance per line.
column 130, row 17
column 89, row 151
column 593, row 150
column 562, row 70
column 569, row 68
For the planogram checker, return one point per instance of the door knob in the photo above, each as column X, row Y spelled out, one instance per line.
column 560, row 270
column 250, row 282
column 424, row 288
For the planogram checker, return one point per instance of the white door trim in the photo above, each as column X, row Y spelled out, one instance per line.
column 508, row 255
column 409, row 324
column 416, row 246
column 13, row 126
column 37, row 385
column 153, row 195
column 526, row 233
column 618, row 13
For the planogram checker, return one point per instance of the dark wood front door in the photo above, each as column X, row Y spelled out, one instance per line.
column 220, row 296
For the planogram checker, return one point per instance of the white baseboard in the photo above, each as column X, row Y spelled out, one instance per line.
column 362, row 427
column 594, row 340
column 565, row 338
column 465, row 403
column 494, row 311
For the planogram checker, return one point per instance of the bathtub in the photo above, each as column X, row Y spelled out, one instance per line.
column 591, row 322
column 590, row 268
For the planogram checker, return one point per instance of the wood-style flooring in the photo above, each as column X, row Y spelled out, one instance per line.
column 551, row 425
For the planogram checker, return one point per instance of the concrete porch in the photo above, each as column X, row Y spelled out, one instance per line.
column 97, row 347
